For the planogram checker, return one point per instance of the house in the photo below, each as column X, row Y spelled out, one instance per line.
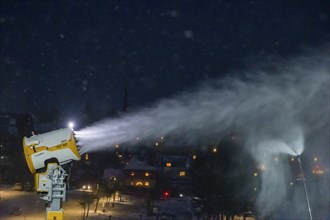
column 175, row 171
column 138, row 174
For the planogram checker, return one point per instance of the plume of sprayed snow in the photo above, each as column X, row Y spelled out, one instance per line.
column 264, row 104
column 274, row 106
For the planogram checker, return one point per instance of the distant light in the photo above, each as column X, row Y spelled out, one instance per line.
column 255, row 174
column 194, row 157
column 318, row 171
column 166, row 194
column 168, row 164
column 215, row 150
column 117, row 145
column 162, row 138
column 181, row 195
column 156, row 143
column 262, row 167
column 315, row 159
column 146, row 174
column 291, row 183
column 71, row 124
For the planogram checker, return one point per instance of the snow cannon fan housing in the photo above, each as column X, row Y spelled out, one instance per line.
column 55, row 146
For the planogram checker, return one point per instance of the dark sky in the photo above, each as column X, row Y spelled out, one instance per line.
column 65, row 54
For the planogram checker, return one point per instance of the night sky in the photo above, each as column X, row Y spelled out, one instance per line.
column 65, row 54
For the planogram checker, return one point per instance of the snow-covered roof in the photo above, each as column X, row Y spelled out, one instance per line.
column 135, row 164
column 110, row 172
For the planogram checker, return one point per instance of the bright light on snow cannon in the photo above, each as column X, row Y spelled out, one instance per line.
column 71, row 125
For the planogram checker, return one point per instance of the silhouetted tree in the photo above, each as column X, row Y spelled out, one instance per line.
column 25, row 124
column 85, row 201
column 223, row 180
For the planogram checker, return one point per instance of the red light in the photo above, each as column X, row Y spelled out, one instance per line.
column 166, row 194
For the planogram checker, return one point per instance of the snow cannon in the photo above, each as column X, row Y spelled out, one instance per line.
column 58, row 146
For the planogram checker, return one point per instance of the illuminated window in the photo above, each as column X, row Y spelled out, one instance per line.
column 182, row 173
column 317, row 170
column 146, row 183
column 168, row 164
column 86, row 156
column 132, row 173
column 146, row 174
column 139, row 184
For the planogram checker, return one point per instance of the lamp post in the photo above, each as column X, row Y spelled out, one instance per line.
column 305, row 189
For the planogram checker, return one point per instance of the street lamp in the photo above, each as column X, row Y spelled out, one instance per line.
column 306, row 195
